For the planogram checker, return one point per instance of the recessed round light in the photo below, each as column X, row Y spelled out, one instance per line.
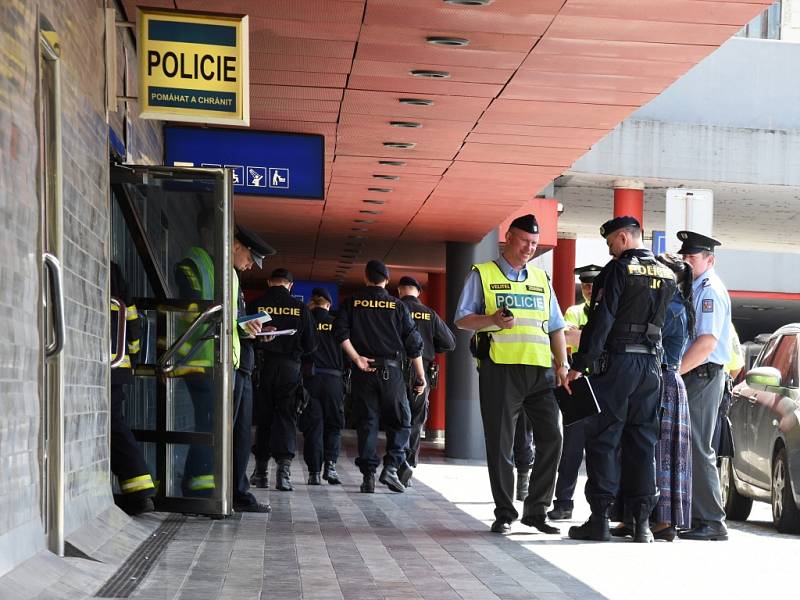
column 399, row 145
column 380, row 190
column 370, row 201
column 389, row 177
column 406, row 124
column 416, row 101
column 469, row 2
column 364, row 211
column 365, row 221
column 357, row 237
column 392, row 163
column 359, row 229
column 430, row 73
column 441, row 40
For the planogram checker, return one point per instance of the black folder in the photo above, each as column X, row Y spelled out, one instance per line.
column 582, row 404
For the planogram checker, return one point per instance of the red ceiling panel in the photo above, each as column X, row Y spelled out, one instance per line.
column 676, row 11
column 602, row 65
column 331, row 11
column 297, row 62
column 305, row 93
column 399, row 70
column 650, row 82
column 522, row 155
column 444, row 108
column 414, row 85
column 552, row 113
column 427, row 54
column 522, row 91
column 526, row 140
column 401, row 36
column 298, row 78
column 641, row 31
column 613, row 49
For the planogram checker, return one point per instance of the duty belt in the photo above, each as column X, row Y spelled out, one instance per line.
column 387, row 362
column 334, row 372
column 666, row 367
column 638, row 349
column 709, row 370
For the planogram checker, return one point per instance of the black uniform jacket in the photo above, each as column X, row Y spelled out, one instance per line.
column 328, row 354
column 436, row 335
column 378, row 325
column 287, row 313
column 631, row 290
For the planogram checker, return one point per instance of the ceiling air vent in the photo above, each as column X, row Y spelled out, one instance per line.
column 389, row 177
column 392, row 163
column 430, row 73
column 440, row 40
column 407, row 124
column 469, row 2
column 399, row 145
column 416, row 101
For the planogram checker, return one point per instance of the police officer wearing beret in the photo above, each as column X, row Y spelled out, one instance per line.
column 376, row 331
column 620, row 346
column 280, row 383
column 576, row 317
column 436, row 338
column 322, row 421
column 513, row 310
column 701, row 368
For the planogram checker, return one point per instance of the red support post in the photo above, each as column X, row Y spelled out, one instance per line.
column 564, row 272
column 629, row 199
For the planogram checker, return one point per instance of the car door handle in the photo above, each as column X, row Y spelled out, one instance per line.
column 752, row 399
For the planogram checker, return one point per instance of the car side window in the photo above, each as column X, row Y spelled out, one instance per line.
column 784, row 358
column 765, row 357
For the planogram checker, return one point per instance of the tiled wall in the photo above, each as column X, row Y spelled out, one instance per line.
column 86, row 219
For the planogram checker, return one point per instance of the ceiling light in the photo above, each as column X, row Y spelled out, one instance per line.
column 389, row 177
column 357, row 237
column 364, row 211
column 469, row 2
column 370, row 201
column 366, row 221
column 380, row 190
column 399, row 145
column 440, row 40
column 359, row 229
column 392, row 163
column 430, row 73
column 407, row 124
column 416, row 101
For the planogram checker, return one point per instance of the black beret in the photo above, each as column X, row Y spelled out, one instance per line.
column 259, row 249
column 378, row 267
column 526, row 223
column 588, row 273
column 281, row 273
column 321, row 293
column 406, row 280
column 611, row 226
column 694, row 243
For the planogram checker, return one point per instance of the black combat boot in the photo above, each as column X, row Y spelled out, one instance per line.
column 368, row 485
column 522, row 485
column 404, row 473
column 260, row 473
column 314, row 479
column 596, row 528
column 329, row 473
column 390, row 479
column 641, row 525
column 283, row 478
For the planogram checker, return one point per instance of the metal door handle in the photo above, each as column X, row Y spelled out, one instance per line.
column 163, row 365
column 753, row 399
column 122, row 330
column 53, row 267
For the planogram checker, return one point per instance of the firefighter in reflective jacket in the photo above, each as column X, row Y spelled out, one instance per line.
column 127, row 461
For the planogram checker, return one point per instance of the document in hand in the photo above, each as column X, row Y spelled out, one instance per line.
column 580, row 405
column 261, row 317
column 279, row 332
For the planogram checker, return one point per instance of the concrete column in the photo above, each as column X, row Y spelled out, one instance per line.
column 464, row 428
column 564, row 270
column 629, row 199
column 437, row 295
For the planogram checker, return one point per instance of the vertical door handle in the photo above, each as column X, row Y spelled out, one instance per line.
column 122, row 321
column 53, row 267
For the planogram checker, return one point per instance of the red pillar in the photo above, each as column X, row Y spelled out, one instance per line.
column 437, row 300
column 564, row 271
column 629, row 199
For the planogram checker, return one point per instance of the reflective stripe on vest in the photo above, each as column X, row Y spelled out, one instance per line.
column 201, row 482
column 237, row 344
column 576, row 315
column 528, row 342
column 204, row 356
column 137, row 484
column 131, row 314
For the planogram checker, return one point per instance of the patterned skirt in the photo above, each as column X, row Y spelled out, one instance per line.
column 674, row 456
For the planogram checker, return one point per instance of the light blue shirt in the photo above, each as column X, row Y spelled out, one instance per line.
column 471, row 301
column 712, row 307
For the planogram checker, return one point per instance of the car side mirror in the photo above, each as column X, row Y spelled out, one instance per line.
column 762, row 377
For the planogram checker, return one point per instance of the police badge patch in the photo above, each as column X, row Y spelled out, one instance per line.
column 708, row 305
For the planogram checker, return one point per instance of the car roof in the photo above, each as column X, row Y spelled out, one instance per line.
column 787, row 329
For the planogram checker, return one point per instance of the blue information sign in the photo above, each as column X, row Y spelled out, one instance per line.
column 264, row 163
column 659, row 242
column 302, row 290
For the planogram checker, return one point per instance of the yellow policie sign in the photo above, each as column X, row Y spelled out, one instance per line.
column 194, row 67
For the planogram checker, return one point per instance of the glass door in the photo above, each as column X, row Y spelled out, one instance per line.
column 171, row 237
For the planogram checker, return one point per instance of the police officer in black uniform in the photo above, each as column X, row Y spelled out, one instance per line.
column 280, row 383
column 323, row 419
column 376, row 331
column 436, row 338
column 620, row 346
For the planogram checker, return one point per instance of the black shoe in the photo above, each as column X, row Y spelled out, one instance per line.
column 390, row 479
column 368, row 485
column 329, row 473
column 538, row 521
column 596, row 528
column 137, row 506
column 260, row 475
column 706, row 531
column 668, row 534
column 255, row 507
column 314, row 479
column 560, row 514
column 404, row 473
column 283, row 478
column 622, row 530
column 641, row 532
column 501, row 526
column 522, row 485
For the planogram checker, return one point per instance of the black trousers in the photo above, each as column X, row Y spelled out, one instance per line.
column 277, row 409
column 380, row 397
column 523, row 444
column 242, row 422
column 419, row 405
column 127, row 460
column 322, row 420
column 570, row 464
column 629, row 395
column 506, row 391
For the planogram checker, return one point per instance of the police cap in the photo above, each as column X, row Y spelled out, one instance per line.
column 321, row 292
column 259, row 249
column 410, row 281
column 281, row 273
column 694, row 243
column 611, row 226
column 588, row 273
column 377, row 267
column 526, row 223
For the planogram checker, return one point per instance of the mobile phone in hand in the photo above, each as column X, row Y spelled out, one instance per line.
column 507, row 313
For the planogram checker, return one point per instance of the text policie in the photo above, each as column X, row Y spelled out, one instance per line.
column 207, row 66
